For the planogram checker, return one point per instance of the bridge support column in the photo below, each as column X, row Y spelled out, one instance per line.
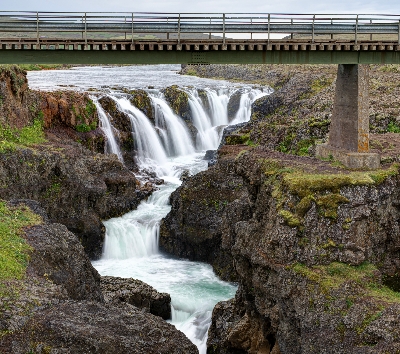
column 349, row 130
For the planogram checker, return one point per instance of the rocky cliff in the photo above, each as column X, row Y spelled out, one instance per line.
column 314, row 246
column 55, row 302
column 52, row 151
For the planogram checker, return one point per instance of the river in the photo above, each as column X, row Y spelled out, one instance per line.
column 167, row 149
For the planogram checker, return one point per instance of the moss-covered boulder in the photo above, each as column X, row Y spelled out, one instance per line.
column 141, row 100
column 178, row 101
column 234, row 104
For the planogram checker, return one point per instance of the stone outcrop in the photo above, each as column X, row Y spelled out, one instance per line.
column 137, row 293
column 313, row 249
column 76, row 187
column 58, row 305
column 193, row 227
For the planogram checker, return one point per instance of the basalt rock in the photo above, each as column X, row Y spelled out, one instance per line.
column 76, row 187
column 58, row 305
column 137, row 293
column 310, row 279
column 234, row 104
column 193, row 227
column 141, row 100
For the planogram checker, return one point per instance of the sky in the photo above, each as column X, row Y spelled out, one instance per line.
column 207, row 6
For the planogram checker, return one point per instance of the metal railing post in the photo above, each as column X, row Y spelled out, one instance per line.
column 85, row 30
column 223, row 28
column 37, row 30
column 355, row 36
column 332, row 26
column 167, row 26
column 132, row 28
column 399, row 34
column 313, row 24
column 291, row 34
column 209, row 35
column 179, row 29
column 251, row 33
column 370, row 36
column 269, row 26
column 125, row 28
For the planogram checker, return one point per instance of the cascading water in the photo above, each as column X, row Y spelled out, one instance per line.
column 131, row 244
column 164, row 147
column 112, row 145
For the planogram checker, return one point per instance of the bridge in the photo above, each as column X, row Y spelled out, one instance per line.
column 166, row 38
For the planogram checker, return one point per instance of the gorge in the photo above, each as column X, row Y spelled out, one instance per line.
column 312, row 246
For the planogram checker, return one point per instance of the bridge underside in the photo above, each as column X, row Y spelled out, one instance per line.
column 198, row 52
column 195, row 57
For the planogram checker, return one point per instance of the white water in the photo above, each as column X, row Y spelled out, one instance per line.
column 112, row 145
column 131, row 243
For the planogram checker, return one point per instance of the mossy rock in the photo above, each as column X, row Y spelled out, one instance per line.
column 178, row 101
column 204, row 100
column 119, row 120
column 234, row 104
column 141, row 100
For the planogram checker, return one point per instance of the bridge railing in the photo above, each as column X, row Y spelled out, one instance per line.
column 202, row 26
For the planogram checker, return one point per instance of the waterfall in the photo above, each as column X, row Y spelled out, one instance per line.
column 248, row 97
column 173, row 131
column 207, row 134
column 166, row 147
column 112, row 145
column 218, row 103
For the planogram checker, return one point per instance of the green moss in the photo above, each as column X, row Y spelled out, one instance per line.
column 332, row 276
column 10, row 138
column 178, row 99
column 237, row 139
column 14, row 251
column 304, row 205
column 323, row 189
column 329, row 204
column 290, row 219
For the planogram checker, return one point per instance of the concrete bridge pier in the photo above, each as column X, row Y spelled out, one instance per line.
column 349, row 130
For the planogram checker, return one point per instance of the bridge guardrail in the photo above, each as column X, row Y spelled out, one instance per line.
column 217, row 26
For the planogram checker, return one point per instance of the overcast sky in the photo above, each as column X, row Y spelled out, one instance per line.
column 229, row 6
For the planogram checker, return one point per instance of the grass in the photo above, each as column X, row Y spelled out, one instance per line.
column 332, row 276
column 14, row 251
column 38, row 67
column 10, row 138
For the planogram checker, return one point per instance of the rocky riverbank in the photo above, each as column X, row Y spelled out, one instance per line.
column 55, row 302
column 52, row 151
column 314, row 246
column 51, row 297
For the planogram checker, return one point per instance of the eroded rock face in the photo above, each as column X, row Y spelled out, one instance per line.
column 92, row 327
column 310, row 256
column 59, row 306
column 193, row 227
column 76, row 187
column 137, row 293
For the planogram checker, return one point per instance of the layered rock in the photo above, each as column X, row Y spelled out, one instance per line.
column 58, row 304
column 137, row 293
column 48, row 152
column 76, row 187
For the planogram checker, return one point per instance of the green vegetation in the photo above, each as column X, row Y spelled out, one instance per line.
column 178, row 99
column 37, row 67
column 308, row 188
column 88, row 114
column 332, row 276
column 10, row 138
column 317, row 86
column 393, row 128
column 14, row 251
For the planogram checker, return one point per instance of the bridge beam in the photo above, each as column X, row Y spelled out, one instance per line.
column 349, row 130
